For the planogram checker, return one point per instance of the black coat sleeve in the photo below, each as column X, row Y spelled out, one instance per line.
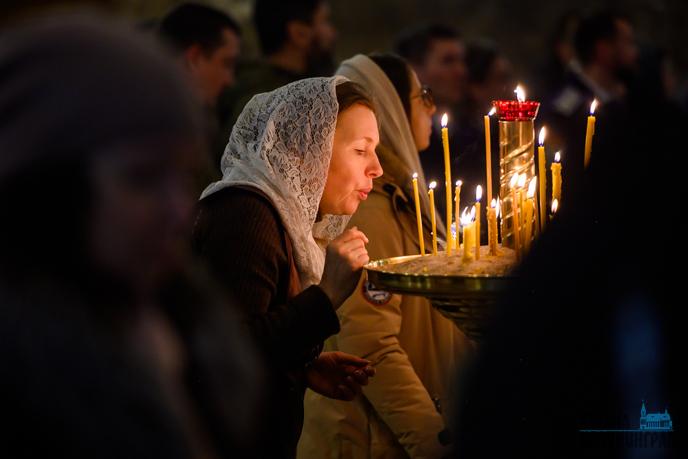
column 240, row 235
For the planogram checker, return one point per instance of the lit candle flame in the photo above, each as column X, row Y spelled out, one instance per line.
column 555, row 206
column 531, row 188
column 514, row 180
column 593, row 106
column 492, row 112
column 415, row 175
column 499, row 207
column 465, row 217
column 432, row 185
column 445, row 119
column 493, row 204
column 520, row 93
column 522, row 180
column 459, row 183
column 478, row 193
column 557, row 157
column 472, row 213
column 541, row 137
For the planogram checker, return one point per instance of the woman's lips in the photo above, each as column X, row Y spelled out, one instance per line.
column 363, row 194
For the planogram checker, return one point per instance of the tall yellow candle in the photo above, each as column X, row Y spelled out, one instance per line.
column 514, row 213
column 468, row 235
column 447, row 179
column 556, row 177
column 529, row 209
column 431, row 193
column 542, row 173
column 457, row 206
column 488, row 153
column 492, row 227
column 478, row 197
column 521, row 203
column 589, row 132
column 419, row 218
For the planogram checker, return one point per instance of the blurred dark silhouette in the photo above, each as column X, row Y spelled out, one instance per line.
column 111, row 344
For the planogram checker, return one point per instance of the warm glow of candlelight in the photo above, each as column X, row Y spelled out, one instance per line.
column 522, row 180
column 492, row 112
column 499, row 207
column 541, row 137
column 531, row 188
column 432, row 185
column 514, row 180
column 520, row 93
column 593, row 106
column 459, row 183
column 445, row 120
column 493, row 204
column 415, row 175
column 557, row 157
column 466, row 217
column 555, row 206
column 478, row 193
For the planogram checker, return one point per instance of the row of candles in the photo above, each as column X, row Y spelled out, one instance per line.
column 524, row 211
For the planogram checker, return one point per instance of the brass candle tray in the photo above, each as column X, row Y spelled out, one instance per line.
column 468, row 300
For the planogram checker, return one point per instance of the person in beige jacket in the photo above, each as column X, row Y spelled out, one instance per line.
column 415, row 350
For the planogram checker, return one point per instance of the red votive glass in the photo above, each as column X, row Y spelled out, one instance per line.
column 513, row 110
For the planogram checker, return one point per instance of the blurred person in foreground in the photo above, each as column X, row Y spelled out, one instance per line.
column 111, row 345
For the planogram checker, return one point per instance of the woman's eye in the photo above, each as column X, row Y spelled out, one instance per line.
column 361, row 152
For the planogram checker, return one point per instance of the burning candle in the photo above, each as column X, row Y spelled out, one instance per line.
column 447, row 178
column 478, row 197
column 543, row 178
column 589, row 132
column 556, row 177
column 457, row 205
column 431, row 193
column 514, row 212
column 529, row 208
column 468, row 234
column 555, row 207
column 492, row 227
column 488, row 153
column 419, row 218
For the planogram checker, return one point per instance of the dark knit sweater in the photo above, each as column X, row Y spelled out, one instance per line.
column 240, row 235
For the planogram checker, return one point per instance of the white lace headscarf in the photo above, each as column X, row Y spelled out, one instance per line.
column 395, row 130
column 281, row 144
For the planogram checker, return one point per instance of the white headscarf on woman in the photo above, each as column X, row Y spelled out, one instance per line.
column 281, row 144
column 395, row 130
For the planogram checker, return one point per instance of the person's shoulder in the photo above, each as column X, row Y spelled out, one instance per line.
column 240, row 203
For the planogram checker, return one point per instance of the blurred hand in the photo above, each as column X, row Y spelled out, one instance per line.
column 345, row 257
column 339, row 375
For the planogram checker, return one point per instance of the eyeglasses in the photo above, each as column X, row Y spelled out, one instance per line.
column 426, row 96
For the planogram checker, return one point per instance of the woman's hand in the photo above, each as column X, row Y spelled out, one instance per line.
column 345, row 257
column 339, row 375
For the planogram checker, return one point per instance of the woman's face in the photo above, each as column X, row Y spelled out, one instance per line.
column 421, row 115
column 354, row 163
column 143, row 206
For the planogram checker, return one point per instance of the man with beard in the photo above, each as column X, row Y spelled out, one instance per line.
column 297, row 40
column 606, row 56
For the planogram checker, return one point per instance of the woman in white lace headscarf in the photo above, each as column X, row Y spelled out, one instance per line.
column 412, row 346
column 299, row 161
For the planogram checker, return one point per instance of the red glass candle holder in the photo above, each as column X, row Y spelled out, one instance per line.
column 513, row 110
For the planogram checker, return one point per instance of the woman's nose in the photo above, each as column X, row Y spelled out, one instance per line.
column 375, row 169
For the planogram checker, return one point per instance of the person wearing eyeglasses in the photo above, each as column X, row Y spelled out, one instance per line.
column 415, row 350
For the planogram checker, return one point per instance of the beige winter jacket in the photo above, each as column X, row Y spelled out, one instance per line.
column 415, row 350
